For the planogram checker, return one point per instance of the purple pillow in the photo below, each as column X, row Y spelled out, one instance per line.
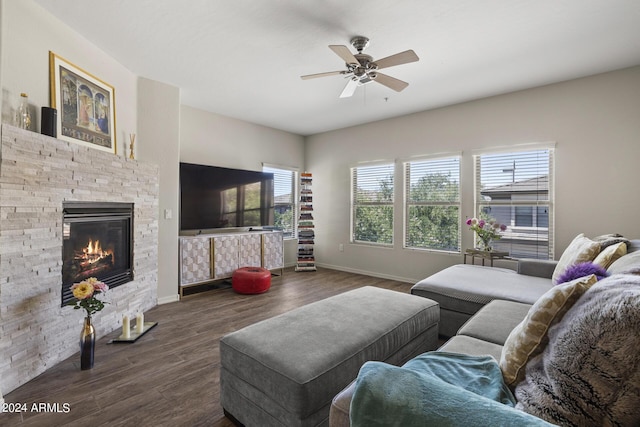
column 580, row 270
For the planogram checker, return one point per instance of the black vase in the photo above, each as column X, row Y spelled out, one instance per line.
column 87, row 344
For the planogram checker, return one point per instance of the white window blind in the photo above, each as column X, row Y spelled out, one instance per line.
column 372, row 195
column 432, row 204
column 285, row 200
column 516, row 189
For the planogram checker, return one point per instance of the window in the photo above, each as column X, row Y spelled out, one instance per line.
column 516, row 189
column 432, row 204
column 372, row 195
column 284, row 192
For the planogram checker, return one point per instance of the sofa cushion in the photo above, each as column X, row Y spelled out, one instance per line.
column 529, row 338
column 537, row 267
column 590, row 371
column 463, row 289
column 495, row 321
column 608, row 255
column 581, row 249
column 469, row 345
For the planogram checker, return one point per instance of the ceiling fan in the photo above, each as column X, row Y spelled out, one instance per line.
column 362, row 69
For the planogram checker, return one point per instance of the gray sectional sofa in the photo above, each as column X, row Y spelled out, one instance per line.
column 481, row 306
column 463, row 289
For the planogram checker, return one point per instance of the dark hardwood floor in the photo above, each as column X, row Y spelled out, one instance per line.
column 170, row 377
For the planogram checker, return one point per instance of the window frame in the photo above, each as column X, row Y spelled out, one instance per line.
column 408, row 203
column 355, row 204
column 295, row 199
column 481, row 205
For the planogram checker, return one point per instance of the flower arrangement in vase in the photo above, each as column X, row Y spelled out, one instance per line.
column 486, row 230
column 86, row 294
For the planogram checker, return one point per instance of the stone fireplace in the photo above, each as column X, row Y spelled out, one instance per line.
column 97, row 241
column 42, row 180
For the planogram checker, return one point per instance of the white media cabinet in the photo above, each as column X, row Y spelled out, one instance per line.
column 206, row 258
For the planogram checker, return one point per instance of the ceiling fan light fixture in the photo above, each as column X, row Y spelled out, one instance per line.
column 362, row 69
column 359, row 72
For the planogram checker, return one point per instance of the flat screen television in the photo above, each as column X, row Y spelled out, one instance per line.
column 216, row 197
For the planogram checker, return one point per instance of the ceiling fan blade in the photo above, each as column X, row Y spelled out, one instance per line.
column 344, row 53
column 330, row 73
column 390, row 82
column 397, row 59
column 349, row 89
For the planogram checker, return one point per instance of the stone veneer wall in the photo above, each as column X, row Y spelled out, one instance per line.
column 37, row 174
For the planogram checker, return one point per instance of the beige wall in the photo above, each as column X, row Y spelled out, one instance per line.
column 29, row 33
column 158, row 141
column 212, row 139
column 593, row 121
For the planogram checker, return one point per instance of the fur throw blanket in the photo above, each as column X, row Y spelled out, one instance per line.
column 589, row 374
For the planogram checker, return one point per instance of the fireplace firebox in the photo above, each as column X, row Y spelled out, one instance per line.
column 97, row 242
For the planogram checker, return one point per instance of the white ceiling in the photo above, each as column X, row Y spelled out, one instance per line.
column 244, row 58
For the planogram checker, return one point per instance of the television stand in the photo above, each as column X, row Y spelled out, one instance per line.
column 207, row 258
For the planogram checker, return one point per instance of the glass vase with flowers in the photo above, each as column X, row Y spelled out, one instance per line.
column 486, row 230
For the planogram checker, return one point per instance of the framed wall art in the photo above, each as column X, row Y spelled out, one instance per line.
column 85, row 104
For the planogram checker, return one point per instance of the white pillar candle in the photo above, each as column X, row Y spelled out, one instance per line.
column 139, row 323
column 126, row 328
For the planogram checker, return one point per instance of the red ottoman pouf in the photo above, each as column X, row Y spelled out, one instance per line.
column 251, row 280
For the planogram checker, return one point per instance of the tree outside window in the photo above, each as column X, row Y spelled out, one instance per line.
column 432, row 204
column 372, row 204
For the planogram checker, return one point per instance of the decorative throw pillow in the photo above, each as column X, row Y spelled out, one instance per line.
column 608, row 255
column 581, row 270
column 609, row 239
column 589, row 372
column 581, row 249
column 529, row 338
column 626, row 264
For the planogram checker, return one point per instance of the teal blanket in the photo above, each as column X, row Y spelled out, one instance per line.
column 436, row 388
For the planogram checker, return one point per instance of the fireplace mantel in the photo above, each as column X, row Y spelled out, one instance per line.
column 37, row 175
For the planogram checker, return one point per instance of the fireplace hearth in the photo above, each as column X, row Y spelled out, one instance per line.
column 97, row 242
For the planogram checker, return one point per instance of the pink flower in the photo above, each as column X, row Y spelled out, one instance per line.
column 481, row 223
column 503, row 227
column 469, row 221
column 100, row 286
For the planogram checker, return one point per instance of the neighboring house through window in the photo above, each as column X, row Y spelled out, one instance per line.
column 515, row 188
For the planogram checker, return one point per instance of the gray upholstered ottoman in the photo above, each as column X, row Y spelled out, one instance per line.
column 284, row 371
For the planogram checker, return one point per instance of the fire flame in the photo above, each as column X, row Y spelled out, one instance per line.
column 94, row 253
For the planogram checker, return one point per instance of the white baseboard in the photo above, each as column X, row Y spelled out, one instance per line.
column 368, row 273
column 169, row 299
